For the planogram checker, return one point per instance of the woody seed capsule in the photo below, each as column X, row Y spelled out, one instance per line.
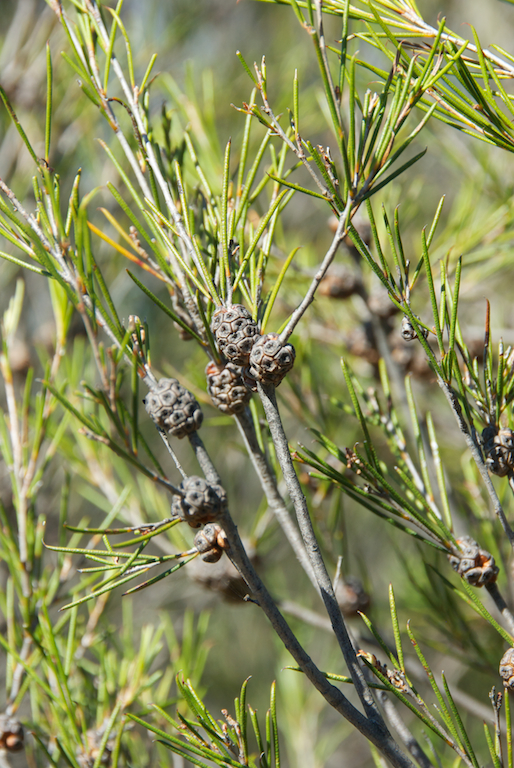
column 174, row 408
column 202, row 501
column 226, row 387
column 270, row 361
column 235, row 332
column 474, row 564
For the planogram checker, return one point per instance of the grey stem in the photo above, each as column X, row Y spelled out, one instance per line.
column 341, row 232
column 269, row 486
column 203, row 458
column 373, row 729
column 406, row 736
column 502, row 606
column 267, row 394
column 477, row 456
column 467, row 702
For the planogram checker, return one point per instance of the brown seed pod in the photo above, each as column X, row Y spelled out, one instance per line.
column 339, row 283
column 351, row 596
column 235, row 332
column 507, row 669
column 380, row 304
column 174, row 408
column 11, row 734
column 499, row 450
column 270, row 360
column 473, row 564
column 226, row 387
column 211, row 542
column 202, row 501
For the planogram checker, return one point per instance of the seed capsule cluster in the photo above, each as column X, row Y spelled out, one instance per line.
column 499, row 450
column 201, row 503
column 235, row 332
column 211, row 542
column 265, row 358
column 270, row 360
column 173, row 408
column 226, row 387
column 474, row 564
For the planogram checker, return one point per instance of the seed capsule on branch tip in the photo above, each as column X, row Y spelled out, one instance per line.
column 235, row 332
column 408, row 332
column 226, row 387
column 507, row 669
column 211, row 542
column 201, row 502
column 474, row 564
column 270, row 361
column 174, row 408
column 12, row 734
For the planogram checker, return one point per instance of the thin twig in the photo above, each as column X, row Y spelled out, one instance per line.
column 269, row 486
column 164, row 437
column 373, row 729
column 341, row 232
column 406, row 736
column 502, row 606
column 267, row 395
column 477, row 456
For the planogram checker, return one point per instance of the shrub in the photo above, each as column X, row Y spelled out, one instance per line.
column 415, row 427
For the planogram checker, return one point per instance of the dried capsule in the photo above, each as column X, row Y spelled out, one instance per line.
column 270, row 360
column 173, row 408
column 474, row 564
column 507, row 669
column 499, row 450
column 235, row 332
column 408, row 332
column 351, row 596
column 211, row 542
column 11, row 734
column 201, row 503
column 339, row 283
column 226, row 387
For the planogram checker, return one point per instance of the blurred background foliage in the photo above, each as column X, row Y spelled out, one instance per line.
column 199, row 79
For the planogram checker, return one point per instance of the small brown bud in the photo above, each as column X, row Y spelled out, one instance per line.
column 473, row 564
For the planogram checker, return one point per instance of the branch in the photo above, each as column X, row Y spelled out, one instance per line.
column 341, row 232
column 477, row 456
column 273, row 497
column 267, row 395
column 373, row 729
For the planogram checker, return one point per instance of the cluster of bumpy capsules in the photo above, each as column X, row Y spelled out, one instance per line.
column 248, row 357
column 262, row 358
column 175, row 410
